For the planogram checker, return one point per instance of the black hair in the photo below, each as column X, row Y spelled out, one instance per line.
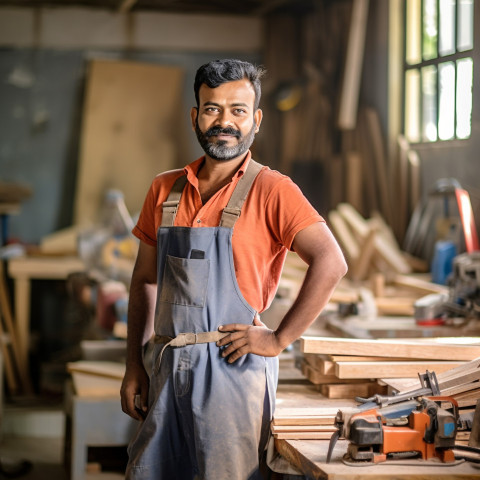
column 215, row 73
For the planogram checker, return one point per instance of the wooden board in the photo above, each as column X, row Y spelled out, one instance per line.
column 389, row 369
column 301, row 420
column 129, row 132
column 349, row 390
column 387, row 349
column 309, row 457
column 304, row 435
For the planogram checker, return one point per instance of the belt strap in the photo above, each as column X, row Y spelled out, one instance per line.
column 184, row 339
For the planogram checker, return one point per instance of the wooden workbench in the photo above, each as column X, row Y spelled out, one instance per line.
column 23, row 270
column 309, row 457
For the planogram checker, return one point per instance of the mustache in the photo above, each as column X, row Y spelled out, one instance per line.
column 217, row 130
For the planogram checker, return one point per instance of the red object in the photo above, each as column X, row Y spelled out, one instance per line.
column 468, row 222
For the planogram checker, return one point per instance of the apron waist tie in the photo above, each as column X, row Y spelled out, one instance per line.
column 184, row 339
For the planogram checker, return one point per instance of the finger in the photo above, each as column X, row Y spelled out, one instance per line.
column 230, row 338
column 128, row 406
column 233, row 327
column 234, row 346
column 238, row 354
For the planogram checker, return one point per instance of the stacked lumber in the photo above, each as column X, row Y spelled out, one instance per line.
column 304, row 423
column 326, row 363
column 461, row 383
column 369, row 245
column 320, row 371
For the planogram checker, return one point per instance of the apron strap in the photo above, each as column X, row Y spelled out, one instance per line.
column 232, row 211
column 170, row 206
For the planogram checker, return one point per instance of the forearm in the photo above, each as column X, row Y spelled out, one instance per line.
column 319, row 283
column 141, row 312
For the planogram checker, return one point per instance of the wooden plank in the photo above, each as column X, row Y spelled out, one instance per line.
column 463, row 374
column 348, row 390
column 380, row 162
column 44, row 267
column 305, row 435
column 9, row 342
column 389, row 369
column 389, row 254
column 364, row 358
column 395, row 306
column 317, row 361
column 361, row 266
column 347, row 117
column 304, row 420
column 344, row 236
column 474, row 440
column 302, row 428
column 354, row 184
column 388, row 349
column 419, row 284
column 131, row 117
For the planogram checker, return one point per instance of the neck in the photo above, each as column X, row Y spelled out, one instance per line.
column 219, row 169
column 215, row 174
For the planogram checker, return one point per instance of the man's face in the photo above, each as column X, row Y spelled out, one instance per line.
column 226, row 121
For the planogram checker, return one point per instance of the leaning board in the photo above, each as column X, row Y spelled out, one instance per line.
column 130, row 128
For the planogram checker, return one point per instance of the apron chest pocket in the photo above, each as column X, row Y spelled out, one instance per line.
column 185, row 281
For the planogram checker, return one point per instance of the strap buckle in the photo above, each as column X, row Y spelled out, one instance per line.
column 183, row 339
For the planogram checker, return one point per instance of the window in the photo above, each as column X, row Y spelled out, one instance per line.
column 438, row 70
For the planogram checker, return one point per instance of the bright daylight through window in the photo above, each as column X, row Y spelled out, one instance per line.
column 438, row 69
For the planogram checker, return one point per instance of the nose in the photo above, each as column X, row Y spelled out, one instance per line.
column 224, row 119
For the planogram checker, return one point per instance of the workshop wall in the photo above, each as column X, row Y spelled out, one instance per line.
column 456, row 159
column 43, row 60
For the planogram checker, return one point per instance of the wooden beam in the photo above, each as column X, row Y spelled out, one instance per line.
column 389, row 253
column 419, row 284
column 388, row 348
column 347, row 117
column 390, row 369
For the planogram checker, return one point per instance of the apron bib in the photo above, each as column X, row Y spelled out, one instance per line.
column 207, row 419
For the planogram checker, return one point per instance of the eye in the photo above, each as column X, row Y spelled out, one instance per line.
column 211, row 109
column 239, row 111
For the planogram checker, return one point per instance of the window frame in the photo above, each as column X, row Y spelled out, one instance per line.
column 436, row 62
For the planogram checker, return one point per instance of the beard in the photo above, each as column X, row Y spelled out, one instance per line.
column 220, row 150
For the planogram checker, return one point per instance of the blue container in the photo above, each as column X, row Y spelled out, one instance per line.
column 442, row 262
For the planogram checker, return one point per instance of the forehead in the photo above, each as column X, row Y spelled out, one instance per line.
column 238, row 91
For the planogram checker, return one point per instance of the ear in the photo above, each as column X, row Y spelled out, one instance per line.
column 193, row 116
column 258, row 119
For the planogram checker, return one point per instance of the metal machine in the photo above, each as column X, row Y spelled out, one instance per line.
column 428, row 431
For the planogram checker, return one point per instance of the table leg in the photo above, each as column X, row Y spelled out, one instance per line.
column 22, row 315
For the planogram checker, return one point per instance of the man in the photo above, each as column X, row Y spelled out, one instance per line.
column 214, row 237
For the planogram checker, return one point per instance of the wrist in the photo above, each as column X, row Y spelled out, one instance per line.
column 281, row 341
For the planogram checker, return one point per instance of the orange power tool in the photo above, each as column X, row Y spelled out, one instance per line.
column 428, row 431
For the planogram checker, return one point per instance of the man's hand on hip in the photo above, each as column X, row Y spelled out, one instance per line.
column 243, row 339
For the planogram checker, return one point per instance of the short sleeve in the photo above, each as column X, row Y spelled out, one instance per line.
column 288, row 211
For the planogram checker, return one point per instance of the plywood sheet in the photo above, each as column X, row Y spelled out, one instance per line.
column 130, row 132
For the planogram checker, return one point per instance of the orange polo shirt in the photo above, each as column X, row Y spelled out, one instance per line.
column 273, row 213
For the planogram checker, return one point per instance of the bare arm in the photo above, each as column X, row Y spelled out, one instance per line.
column 141, row 309
column 326, row 266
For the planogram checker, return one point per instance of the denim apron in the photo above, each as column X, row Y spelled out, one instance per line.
column 207, row 419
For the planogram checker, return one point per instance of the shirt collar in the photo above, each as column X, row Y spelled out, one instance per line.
column 191, row 170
